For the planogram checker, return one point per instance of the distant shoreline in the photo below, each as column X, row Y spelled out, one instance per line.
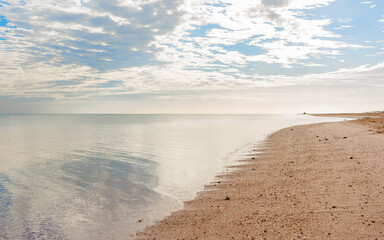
column 350, row 115
column 314, row 181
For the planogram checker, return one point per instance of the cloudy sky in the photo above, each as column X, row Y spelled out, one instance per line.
column 191, row 56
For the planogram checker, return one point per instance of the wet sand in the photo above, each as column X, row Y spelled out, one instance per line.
column 320, row 181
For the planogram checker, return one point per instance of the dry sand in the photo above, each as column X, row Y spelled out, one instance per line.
column 320, row 181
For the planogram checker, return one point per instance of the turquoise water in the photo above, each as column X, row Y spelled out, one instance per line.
column 95, row 176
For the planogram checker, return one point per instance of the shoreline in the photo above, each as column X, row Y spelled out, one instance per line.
column 285, row 191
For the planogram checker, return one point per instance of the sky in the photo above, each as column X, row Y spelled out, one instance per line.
column 191, row 56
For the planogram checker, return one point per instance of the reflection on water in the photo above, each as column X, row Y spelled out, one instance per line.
column 5, row 197
column 95, row 176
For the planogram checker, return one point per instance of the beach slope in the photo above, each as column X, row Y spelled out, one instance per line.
column 312, row 181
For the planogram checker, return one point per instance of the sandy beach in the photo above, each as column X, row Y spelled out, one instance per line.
column 319, row 181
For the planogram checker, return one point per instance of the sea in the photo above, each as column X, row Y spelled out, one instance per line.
column 85, row 176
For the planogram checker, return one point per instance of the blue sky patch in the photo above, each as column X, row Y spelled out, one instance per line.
column 66, row 83
column 2, row 3
column 3, row 21
column 363, row 18
column 244, row 48
column 201, row 31
column 111, row 83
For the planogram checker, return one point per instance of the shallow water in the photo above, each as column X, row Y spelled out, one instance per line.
column 95, row 176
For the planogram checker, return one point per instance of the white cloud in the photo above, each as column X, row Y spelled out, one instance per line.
column 88, row 32
column 344, row 27
column 372, row 5
column 202, row 46
column 269, row 26
column 84, row 83
column 344, row 20
column 107, row 34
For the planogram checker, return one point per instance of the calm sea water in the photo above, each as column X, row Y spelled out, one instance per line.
column 95, row 176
